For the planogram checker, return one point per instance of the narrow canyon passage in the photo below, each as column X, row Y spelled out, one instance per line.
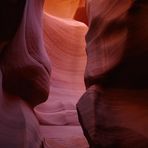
column 74, row 74
column 64, row 39
column 65, row 44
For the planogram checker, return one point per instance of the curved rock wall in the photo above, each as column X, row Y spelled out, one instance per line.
column 65, row 44
column 113, row 110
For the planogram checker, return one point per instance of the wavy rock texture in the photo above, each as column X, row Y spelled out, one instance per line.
column 28, row 72
column 113, row 111
column 65, row 44
column 24, row 74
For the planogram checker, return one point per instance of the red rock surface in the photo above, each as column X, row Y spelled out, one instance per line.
column 113, row 111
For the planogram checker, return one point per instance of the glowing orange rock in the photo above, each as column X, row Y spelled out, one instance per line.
column 61, row 8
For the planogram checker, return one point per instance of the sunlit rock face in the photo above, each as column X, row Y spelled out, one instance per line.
column 65, row 44
column 61, row 8
column 67, row 9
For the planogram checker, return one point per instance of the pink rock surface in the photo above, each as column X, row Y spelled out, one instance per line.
column 25, row 64
column 24, row 79
column 63, row 137
column 65, row 44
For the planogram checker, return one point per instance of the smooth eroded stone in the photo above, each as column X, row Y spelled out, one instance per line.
column 113, row 110
column 65, row 44
column 24, row 63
